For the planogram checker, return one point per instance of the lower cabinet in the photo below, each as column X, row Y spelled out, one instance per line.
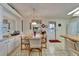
column 10, row 46
column 7, row 46
column 3, row 48
column 17, row 42
column 13, row 44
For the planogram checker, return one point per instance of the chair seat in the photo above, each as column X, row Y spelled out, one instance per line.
column 35, row 46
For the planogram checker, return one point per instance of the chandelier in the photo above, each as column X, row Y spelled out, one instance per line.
column 35, row 18
column 35, row 14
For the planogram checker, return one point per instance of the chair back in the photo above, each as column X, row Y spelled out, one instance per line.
column 24, row 40
column 35, row 43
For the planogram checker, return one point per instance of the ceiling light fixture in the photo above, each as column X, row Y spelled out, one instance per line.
column 73, row 11
column 34, row 23
column 35, row 14
column 76, row 13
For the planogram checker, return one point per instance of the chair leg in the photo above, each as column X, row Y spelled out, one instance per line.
column 40, row 53
column 21, row 47
column 29, row 52
column 46, row 45
column 46, row 42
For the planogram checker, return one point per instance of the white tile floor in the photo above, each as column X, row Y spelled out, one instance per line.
column 53, row 49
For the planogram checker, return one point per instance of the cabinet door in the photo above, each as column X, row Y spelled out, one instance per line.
column 3, row 48
column 10, row 46
column 17, row 41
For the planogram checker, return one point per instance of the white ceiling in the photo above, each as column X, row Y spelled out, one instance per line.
column 46, row 10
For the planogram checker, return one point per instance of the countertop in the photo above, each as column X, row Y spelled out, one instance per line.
column 71, row 37
column 9, row 38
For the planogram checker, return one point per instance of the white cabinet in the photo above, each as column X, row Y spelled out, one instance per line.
column 17, row 41
column 13, row 43
column 10, row 45
column 7, row 46
column 3, row 48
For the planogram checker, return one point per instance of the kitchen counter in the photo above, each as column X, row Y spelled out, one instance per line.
column 71, row 43
column 71, row 37
column 11, row 37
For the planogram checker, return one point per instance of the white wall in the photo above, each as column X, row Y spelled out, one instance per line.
column 1, row 20
column 73, row 27
column 26, row 26
column 15, row 22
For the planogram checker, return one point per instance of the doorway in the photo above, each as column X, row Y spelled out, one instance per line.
column 52, row 30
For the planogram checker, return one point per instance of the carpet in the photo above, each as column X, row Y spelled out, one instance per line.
column 54, row 41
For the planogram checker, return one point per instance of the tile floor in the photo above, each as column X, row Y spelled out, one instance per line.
column 54, row 49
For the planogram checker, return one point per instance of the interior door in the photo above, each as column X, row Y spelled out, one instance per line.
column 51, row 30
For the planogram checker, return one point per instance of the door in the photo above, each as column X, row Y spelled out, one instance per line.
column 51, row 30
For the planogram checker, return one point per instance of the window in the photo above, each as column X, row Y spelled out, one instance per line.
column 52, row 25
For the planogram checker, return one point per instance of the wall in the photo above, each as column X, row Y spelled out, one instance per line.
column 26, row 26
column 73, row 27
column 1, row 20
column 15, row 22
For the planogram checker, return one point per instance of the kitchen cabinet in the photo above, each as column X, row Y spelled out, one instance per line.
column 9, row 45
column 3, row 48
column 17, row 42
column 13, row 43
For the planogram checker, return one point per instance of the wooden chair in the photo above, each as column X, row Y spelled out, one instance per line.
column 35, row 44
column 44, row 41
column 24, row 43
